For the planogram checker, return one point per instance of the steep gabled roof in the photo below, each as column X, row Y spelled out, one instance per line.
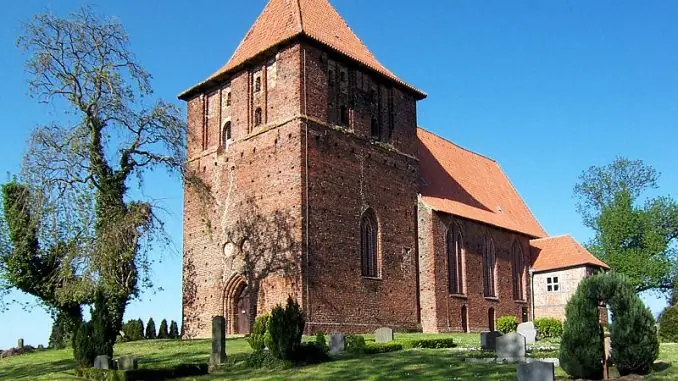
column 283, row 20
column 559, row 252
column 460, row 182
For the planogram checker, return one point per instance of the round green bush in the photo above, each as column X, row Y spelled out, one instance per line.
column 668, row 325
column 548, row 327
column 634, row 340
column 507, row 324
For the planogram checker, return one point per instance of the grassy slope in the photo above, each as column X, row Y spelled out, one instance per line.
column 405, row 365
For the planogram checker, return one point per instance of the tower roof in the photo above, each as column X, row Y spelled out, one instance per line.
column 283, row 20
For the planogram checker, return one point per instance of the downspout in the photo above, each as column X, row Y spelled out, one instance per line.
column 532, row 291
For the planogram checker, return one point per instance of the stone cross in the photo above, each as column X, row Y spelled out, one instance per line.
column 383, row 335
column 218, row 355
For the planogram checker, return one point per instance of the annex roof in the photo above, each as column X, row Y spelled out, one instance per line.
column 283, row 20
column 559, row 252
column 461, row 182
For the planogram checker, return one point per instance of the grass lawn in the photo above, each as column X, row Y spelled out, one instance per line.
column 432, row 364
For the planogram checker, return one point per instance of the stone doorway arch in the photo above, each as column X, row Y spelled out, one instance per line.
column 237, row 305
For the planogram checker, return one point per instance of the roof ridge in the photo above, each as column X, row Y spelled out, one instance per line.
column 457, row 145
column 299, row 17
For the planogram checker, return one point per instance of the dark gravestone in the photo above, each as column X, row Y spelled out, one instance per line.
column 337, row 343
column 536, row 371
column 104, row 362
column 218, row 355
column 511, row 347
column 488, row 340
column 20, row 343
column 128, row 363
column 383, row 335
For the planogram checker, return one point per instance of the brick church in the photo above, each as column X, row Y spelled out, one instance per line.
column 314, row 181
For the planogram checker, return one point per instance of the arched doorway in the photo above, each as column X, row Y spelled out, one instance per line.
column 464, row 319
column 242, row 309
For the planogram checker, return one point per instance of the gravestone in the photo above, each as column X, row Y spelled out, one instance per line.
column 536, row 371
column 337, row 343
column 511, row 347
column 104, row 362
column 383, row 335
column 128, row 363
column 528, row 331
column 218, row 355
column 488, row 340
column 20, row 343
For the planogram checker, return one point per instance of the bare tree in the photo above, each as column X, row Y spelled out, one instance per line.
column 83, row 65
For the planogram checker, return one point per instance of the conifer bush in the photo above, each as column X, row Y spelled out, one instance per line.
column 150, row 330
column 257, row 336
column 668, row 325
column 174, row 330
column 284, row 330
column 83, row 348
column 133, row 330
column 103, row 333
column 162, row 331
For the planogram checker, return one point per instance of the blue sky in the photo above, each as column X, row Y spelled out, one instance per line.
column 547, row 88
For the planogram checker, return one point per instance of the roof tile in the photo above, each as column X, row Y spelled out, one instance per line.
column 560, row 252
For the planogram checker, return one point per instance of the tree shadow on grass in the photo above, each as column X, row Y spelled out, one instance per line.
column 403, row 365
column 33, row 371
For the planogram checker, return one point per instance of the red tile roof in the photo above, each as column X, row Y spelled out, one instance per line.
column 460, row 182
column 560, row 252
column 282, row 20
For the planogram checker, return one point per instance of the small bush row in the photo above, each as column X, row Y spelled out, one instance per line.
column 134, row 330
column 357, row 344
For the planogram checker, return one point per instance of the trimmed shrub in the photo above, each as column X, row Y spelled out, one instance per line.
column 162, row 332
column 507, row 324
column 635, row 345
column 321, row 342
column 433, row 343
column 150, row 330
column 374, row 348
column 83, row 348
column 174, row 330
column 354, row 343
column 265, row 359
column 284, row 330
column 548, row 327
column 257, row 336
column 668, row 325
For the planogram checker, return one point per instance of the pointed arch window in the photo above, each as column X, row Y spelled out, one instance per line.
column 257, row 117
column 226, row 134
column 455, row 260
column 375, row 130
column 518, row 267
column 489, row 268
column 369, row 235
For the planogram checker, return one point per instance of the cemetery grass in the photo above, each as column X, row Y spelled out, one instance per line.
column 446, row 364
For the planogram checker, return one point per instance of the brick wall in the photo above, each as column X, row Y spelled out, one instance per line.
column 441, row 311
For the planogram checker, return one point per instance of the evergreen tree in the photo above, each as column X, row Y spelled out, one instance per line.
column 142, row 332
column 174, row 330
column 162, row 332
column 103, row 331
column 150, row 330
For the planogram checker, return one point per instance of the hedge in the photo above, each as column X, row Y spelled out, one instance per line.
column 181, row 370
column 548, row 327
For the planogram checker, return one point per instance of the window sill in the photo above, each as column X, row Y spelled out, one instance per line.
column 492, row 298
column 521, row 301
column 459, row 296
column 372, row 278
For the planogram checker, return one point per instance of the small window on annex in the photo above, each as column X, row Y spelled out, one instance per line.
column 226, row 134
column 257, row 117
column 552, row 284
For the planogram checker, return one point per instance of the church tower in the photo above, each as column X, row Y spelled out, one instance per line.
column 306, row 151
